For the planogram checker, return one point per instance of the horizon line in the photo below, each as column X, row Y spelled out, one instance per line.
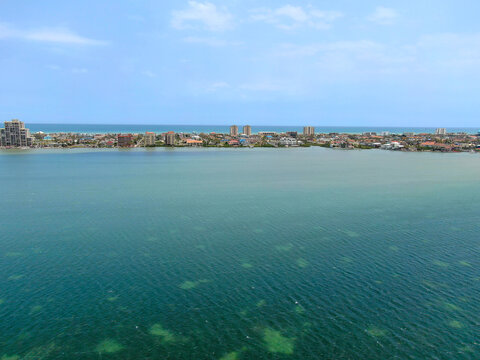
column 227, row 125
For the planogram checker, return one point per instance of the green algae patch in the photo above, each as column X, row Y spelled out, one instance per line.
column 109, row 346
column 234, row 355
column 187, row 285
column 13, row 254
column 347, row 260
column 2, row 301
column 284, row 248
column 275, row 342
column 302, row 263
column 465, row 263
column 466, row 349
column 456, row 324
column 451, row 307
column 261, row 303
column 430, row 284
column 200, row 247
column 15, row 277
column 376, row 332
column 166, row 335
column 299, row 310
column 37, row 250
column 112, row 298
column 36, row 309
column 10, row 357
column 393, row 248
column 41, row 352
column 350, row 233
column 247, row 265
column 378, row 282
column 441, row 263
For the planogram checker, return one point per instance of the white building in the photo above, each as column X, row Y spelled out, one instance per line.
column 287, row 141
column 15, row 134
column 441, row 131
column 267, row 133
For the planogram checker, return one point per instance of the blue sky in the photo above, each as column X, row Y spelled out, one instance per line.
column 390, row 63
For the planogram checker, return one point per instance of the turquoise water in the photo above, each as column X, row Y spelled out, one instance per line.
column 239, row 254
column 112, row 129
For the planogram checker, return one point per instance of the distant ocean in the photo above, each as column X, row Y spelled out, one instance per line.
column 103, row 129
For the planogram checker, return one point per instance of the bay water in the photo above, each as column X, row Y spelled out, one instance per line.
column 303, row 253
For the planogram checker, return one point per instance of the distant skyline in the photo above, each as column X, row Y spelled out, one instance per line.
column 320, row 63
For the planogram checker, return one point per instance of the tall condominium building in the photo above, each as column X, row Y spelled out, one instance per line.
column 234, row 130
column 247, row 130
column 441, row 131
column 149, row 139
column 15, row 134
column 308, row 131
column 125, row 140
column 170, row 138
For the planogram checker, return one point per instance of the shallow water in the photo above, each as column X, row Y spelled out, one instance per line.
column 239, row 254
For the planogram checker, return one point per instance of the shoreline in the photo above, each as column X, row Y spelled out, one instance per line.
column 79, row 150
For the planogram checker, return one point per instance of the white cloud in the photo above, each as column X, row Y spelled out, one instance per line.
column 209, row 41
column 383, row 16
column 264, row 86
column 219, row 85
column 449, row 52
column 289, row 17
column 203, row 14
column 59, row 35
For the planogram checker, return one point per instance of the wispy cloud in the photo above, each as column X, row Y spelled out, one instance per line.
column 264, row 86
column 204, row 15
column 218, row 85
column 58, row 35
column 209, row 41
column 290, row 17
column 384, row 16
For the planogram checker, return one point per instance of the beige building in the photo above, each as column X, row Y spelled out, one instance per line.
column 170, row 138
column 234, row 130
column 309, row 131
column 247, row 130
column 15, row 134
column 149, row 139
